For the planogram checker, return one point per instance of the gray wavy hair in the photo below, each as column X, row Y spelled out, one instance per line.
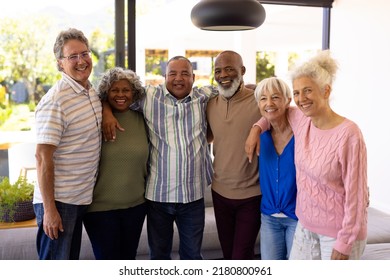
column 63, row 37
column 118, row 73
column 321, row 69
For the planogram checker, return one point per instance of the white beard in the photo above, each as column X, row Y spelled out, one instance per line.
column 227, row 93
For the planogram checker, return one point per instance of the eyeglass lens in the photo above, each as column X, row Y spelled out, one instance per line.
column 76, row 57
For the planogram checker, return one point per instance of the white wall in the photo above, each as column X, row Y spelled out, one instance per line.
column 360, row 40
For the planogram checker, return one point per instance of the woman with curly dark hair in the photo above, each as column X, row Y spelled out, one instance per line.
column 115, row 218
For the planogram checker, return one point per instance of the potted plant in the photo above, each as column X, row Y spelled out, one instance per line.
column 16, row 200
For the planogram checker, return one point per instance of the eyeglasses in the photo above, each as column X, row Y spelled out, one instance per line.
column 76, row 57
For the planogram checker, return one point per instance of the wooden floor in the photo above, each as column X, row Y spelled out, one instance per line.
column 29, row 223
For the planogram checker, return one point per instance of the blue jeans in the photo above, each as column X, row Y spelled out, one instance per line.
column 67, row 245
column 115, row 234
column 189, row 219
column 276, row 237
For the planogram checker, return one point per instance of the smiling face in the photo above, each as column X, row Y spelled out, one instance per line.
column 120, row 96
column 179, row 78
column 273, row 105
column 228, row 72
column 308, row 96
column 80, row 69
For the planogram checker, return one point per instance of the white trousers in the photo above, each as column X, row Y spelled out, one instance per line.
column 308, row 245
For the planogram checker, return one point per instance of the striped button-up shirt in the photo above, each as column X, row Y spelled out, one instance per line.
column 180, row 162
column 69, row 117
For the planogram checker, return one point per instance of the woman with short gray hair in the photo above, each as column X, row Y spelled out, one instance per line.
column 276, row 171
column 331, row 165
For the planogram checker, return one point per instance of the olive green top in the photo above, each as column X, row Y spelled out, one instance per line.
column 123, row 166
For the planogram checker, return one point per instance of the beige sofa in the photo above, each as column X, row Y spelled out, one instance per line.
column 378, row 240
column 20, row 243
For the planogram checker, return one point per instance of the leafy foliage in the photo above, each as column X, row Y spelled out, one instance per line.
column 17, row 117
column 21, row 190
column 153, row 64
column 25, row 52
column 102, row 47
column 11, row 194
column 265, row 65
column 5, row 113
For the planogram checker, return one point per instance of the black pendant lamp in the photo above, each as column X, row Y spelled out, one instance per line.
column 228, row 15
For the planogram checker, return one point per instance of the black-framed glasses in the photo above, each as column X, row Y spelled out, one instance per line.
column 75, row 57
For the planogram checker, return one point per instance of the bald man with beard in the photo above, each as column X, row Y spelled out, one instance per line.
column 235, row 185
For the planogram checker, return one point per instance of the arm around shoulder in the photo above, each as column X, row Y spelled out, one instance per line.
column 252, row 143
column 109, row 123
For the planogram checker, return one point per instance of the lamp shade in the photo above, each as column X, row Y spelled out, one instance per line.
column 228, row 15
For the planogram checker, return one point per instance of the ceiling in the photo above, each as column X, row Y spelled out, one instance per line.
column 169, row 26
column 290, row 27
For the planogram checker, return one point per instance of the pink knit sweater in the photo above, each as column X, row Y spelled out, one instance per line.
column 331, row 168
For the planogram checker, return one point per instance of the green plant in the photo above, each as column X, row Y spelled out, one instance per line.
column 265, row 66
column 11, row 195
column 5, row 113
column 31, row 106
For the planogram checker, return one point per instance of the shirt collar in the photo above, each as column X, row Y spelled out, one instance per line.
column 184, row 100
column 75, row 85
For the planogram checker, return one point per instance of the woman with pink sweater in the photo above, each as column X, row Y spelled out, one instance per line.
column 331, row 168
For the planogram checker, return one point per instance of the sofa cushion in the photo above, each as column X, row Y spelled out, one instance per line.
column 208, row 199
column 378, row 230
column 19, row 244
column 379, row 251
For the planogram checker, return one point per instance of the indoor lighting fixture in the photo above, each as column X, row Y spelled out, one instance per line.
column 228, row 15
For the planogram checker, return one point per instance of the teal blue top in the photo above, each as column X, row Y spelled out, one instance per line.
column 123, row 166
